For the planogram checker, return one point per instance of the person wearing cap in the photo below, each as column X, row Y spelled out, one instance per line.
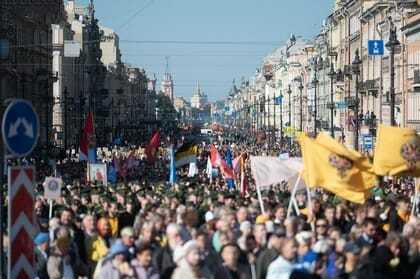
column 115, row 264
column 42, row 243
column 127, row 237
column 187, row 259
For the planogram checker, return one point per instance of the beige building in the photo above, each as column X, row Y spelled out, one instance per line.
column 199, row 98
column 322, row 80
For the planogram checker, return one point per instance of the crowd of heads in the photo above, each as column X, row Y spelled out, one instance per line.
column 142, row 227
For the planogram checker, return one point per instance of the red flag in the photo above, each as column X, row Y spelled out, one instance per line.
column 152, row 148
column 217, row 161
column 244, row 179
column 214, row 157
column 86, row 138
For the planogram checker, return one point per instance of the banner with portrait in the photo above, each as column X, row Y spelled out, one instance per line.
column 97, row 173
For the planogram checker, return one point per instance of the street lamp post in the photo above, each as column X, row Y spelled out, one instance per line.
column 332, row 74
column 301, row 103
column 356, row 71
column 394, row 46
column 289, row 92
column 315, row 84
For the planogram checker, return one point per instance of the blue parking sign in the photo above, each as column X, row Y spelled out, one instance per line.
column 376, row 47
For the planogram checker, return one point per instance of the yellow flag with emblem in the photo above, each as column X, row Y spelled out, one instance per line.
column 359, row 161
column 397, row 152
column 333, row 171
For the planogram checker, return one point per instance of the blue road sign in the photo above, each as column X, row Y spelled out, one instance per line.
column 20, row 128
column 278, row 100
column 376, row 47
column 341, row 105
column 368, row 142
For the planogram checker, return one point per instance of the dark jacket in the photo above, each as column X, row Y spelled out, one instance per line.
column 264, row 260
column 41, row 264
column 164, row 262
column 243, row 272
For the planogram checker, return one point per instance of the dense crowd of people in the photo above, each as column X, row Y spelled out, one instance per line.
column 142, row 227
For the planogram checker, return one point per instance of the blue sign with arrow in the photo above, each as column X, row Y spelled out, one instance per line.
column 20, row 128
column 368, row 142
column 376, row 47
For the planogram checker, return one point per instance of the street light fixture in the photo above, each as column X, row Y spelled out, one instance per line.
column 289, row 92
column 332, row 74
column 356, row 71
column 394, row 46
column 300, row 87
column 315, row 84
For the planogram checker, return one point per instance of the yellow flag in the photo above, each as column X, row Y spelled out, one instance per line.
column 397, row 152
column 360, row 161
column 334, row 172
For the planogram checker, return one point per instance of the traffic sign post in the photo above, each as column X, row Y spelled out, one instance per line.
column 367, row 142
column 376, row 47
column 20, row 128
column 20, row 131
column 21, row 223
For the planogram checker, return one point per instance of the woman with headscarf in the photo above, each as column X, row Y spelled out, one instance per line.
column 187, row 258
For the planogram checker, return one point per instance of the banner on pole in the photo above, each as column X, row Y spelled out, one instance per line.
column 21, row 222
column 52, row 188
column 97, row 173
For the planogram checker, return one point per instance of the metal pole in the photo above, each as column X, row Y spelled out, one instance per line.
column 392, row 85
column 281, row 122
column 332, row 100
column 290, row 113
column 65, row 120
column 356, row 112
column 3, row 186
column 275, row 108
column 315, row 104
column 301, row 106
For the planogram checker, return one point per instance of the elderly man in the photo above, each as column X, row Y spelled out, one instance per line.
column 164, row 259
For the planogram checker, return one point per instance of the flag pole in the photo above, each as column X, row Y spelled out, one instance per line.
column 308, row 191
column 292, row 198
column 260, row 200
column 416, row 195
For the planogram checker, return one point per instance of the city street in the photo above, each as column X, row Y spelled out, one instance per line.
column 162, row 139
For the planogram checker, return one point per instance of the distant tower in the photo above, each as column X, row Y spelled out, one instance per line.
column 199, row 98
column 167, row 84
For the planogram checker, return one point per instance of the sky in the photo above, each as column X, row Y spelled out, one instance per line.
column 211, row 42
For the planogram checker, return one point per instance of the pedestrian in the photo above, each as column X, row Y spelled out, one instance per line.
column 187, row 258
column 115, row 265
column 42, row 243
column 142, row 263
column 231, row 268
column 59, row 265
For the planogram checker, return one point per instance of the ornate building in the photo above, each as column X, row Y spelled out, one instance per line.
column 167, row 86
column 26, row 56
column 199, row 98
